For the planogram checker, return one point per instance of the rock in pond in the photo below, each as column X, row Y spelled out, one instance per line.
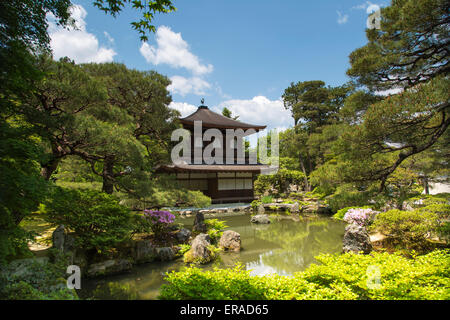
column 356, row 239
column 144, row 251
column 165, row 254
column 310, row 208
column 230, row 241
column 183, row 235
column 260, row 218
column 261, row 209
column 324, row 210
column 295, row 208
column 199, row 251
column 199, row 222
column 109, row 267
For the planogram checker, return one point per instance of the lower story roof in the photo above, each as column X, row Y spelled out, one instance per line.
column 256, row 168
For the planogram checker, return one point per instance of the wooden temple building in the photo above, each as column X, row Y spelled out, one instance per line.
column 222, row 182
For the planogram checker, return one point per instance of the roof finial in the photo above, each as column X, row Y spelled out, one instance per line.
column 202, row 101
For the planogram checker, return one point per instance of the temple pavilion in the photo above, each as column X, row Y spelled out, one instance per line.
column 223, row 182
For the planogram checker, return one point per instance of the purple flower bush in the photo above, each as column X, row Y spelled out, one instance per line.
column 359, row 216
column 158, row 221
column 159, row 216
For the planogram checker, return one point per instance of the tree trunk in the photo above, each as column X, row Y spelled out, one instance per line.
column 108, row 176
column 307, row 186
column 50, row 167
column 309, row 162
column 426, row 185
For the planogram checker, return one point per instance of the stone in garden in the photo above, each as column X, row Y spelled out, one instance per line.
column 199, row 222
column 260, row 218
column 356, row 239
column 183, row 235
column 58, row 237
column 310, row 208
column 199, row 251
column 230, row 240
column 109, row 267
column 261, row 209
column 65, row 243
column 165, row 254
column 324, row 210
column 295, row 208
column 144, row 251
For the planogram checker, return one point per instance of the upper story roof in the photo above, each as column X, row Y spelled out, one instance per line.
column 211, row 119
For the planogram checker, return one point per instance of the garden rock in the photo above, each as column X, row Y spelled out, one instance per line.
column 199, row 222
column 260, row 218
column 230, row 240
column 356, row 239
column 310, row 208
column 199, row 251
column 165, row 254
column 324, row 210
column 63, row 241
column 261, row 209
column 295, row 208
column 58, row 237
column 144, row 251
column 183, row 235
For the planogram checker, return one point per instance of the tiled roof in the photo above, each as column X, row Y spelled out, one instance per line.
column 211, row 119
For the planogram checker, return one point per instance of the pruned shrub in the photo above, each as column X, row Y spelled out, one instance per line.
column 97, row 219
column 408, row 229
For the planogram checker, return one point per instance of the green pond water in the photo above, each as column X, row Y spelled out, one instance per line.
column 285, row 246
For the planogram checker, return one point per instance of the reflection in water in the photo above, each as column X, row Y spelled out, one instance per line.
column 283, row 247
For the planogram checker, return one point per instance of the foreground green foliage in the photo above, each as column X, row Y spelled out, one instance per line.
column 35, row 280
column 343, row 276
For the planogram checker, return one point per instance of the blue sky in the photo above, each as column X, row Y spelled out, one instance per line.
column 238, row 54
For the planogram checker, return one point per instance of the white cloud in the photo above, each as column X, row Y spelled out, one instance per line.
column 259, row 110
column 220, row 92
column 108, row 36
column 372, row 7
column 171, row 49
column 342, row 18
column 184, row 108
column 183, row 86
column 75, row 42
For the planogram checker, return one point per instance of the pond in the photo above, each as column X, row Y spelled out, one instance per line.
column 285, row 246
